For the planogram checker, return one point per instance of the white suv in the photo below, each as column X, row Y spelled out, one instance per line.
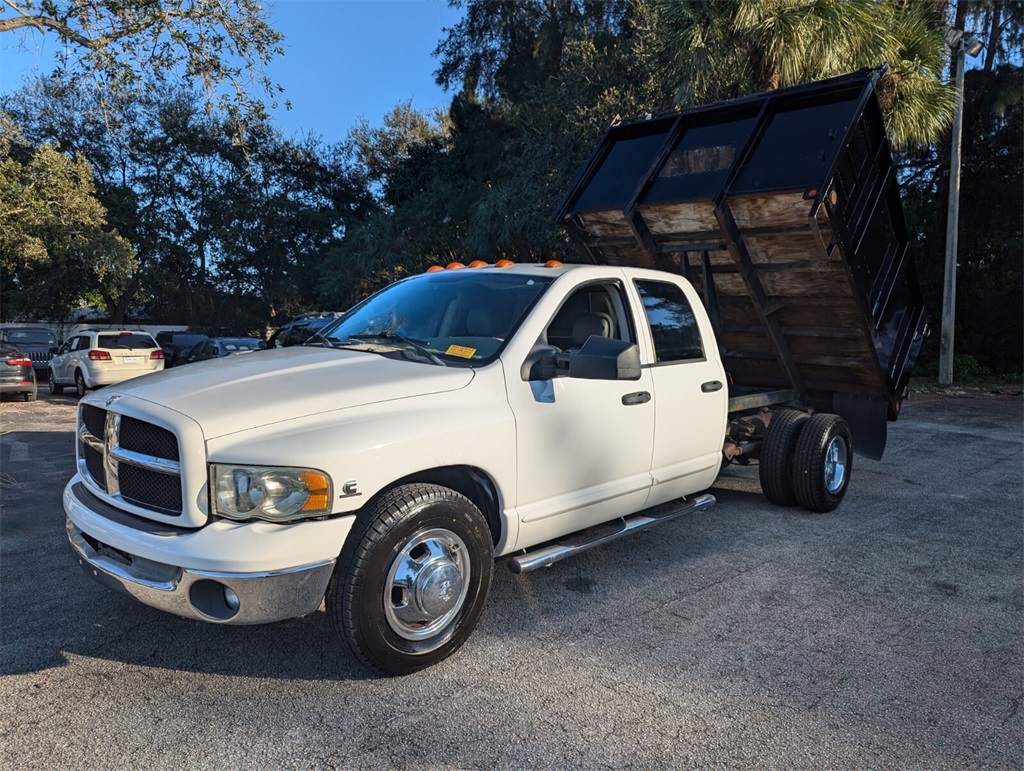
column 99, row 357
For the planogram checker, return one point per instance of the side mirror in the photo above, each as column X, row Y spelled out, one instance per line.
column 261, row 345
column 540, row 364
column 602, row 358
column 53, row 349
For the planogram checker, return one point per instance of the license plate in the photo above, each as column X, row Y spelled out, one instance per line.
column 131, row 360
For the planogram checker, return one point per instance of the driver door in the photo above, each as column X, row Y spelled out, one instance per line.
column 583, row 446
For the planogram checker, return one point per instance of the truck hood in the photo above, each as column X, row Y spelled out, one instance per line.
column 241, row 392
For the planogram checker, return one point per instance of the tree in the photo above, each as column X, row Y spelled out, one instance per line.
column 55, row 245
column 214, row 226
column 124, row 44
column 718, row 50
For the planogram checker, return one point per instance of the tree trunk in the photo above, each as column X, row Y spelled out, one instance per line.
column 993, row 35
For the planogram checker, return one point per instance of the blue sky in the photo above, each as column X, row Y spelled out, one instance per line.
column 343, row 59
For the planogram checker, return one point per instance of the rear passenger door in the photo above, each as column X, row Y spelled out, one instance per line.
column 690, row 394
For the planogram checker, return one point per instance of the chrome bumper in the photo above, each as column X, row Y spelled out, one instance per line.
column 223, row 598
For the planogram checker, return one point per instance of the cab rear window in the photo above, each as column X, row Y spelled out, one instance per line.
column 125, row 341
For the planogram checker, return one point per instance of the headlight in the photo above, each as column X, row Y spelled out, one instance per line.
column 269, row 492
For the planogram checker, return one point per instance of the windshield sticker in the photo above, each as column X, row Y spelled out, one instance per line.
column 461, row 351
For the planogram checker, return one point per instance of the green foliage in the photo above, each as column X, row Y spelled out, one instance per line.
column 55, row 245
column 989, row 322
column 208, row 220
column 712, row 50
column 118, row 47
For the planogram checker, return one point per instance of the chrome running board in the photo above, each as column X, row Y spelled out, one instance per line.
column 601, row 534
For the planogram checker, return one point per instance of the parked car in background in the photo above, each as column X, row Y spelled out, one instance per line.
column 177, row 345
column 301, row 328
column 36, row 343
column 219, row 347
column 99, row 357
column 17, row 375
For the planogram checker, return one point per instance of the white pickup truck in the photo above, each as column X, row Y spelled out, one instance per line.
column 529, row 412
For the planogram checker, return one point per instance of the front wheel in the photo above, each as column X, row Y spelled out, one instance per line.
column 55, row 390
column 412, row 579
column 822, row 463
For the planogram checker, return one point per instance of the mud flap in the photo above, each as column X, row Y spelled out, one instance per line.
column 868, row 419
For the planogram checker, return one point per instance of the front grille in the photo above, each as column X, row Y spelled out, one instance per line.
column 147, row 439
column 150, row 489
column 131, row 459
column 94, row 462
column 42, row 356
column 94, row 419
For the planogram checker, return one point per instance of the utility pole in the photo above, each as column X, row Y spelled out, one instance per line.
column 962, row 45
column 949, row 282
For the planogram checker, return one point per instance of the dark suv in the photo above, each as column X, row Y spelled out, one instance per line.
column 36, row 343
column 176, row 345
column 301, row 328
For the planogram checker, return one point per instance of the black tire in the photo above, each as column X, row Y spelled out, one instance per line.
column 55, row 390
column 776, row 466
column 823, row 463
column 80, row 388
column 389, row 628
column 30, row 396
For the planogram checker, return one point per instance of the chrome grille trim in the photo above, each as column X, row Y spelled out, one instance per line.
column 150, row 462
column 110, row 432
column 88, row 439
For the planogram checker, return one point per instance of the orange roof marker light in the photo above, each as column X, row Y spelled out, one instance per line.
column 553, row 264
column 478, row 264
column 454, row 266
column 434, row 268
column 504, row 264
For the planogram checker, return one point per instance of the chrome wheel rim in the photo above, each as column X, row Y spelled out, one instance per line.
column 835, row 465
column 427, row 584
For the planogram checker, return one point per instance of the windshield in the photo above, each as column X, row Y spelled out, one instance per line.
column 30, row 336
column 445, row 317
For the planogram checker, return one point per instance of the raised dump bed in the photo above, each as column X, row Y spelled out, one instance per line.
column 783, row 210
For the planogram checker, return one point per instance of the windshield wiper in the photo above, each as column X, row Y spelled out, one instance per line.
column 327, row 342
column 416, row 345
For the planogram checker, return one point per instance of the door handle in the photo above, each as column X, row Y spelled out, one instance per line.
column 638, row 397
column 711, row 386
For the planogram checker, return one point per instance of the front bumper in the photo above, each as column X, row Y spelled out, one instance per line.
column 224, row 572
column 225, row 598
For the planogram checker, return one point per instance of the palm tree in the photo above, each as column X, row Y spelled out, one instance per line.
column 717, row 50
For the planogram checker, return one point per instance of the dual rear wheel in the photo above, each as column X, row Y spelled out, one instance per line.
column 806, row 460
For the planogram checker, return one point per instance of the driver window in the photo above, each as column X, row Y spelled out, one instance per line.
column 597, row 309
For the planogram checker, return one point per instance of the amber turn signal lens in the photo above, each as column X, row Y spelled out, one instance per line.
column 318, row 491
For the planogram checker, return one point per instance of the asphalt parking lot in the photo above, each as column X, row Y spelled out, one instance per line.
column 887, row 634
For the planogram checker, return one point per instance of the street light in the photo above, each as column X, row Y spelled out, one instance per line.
column 970, row 46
